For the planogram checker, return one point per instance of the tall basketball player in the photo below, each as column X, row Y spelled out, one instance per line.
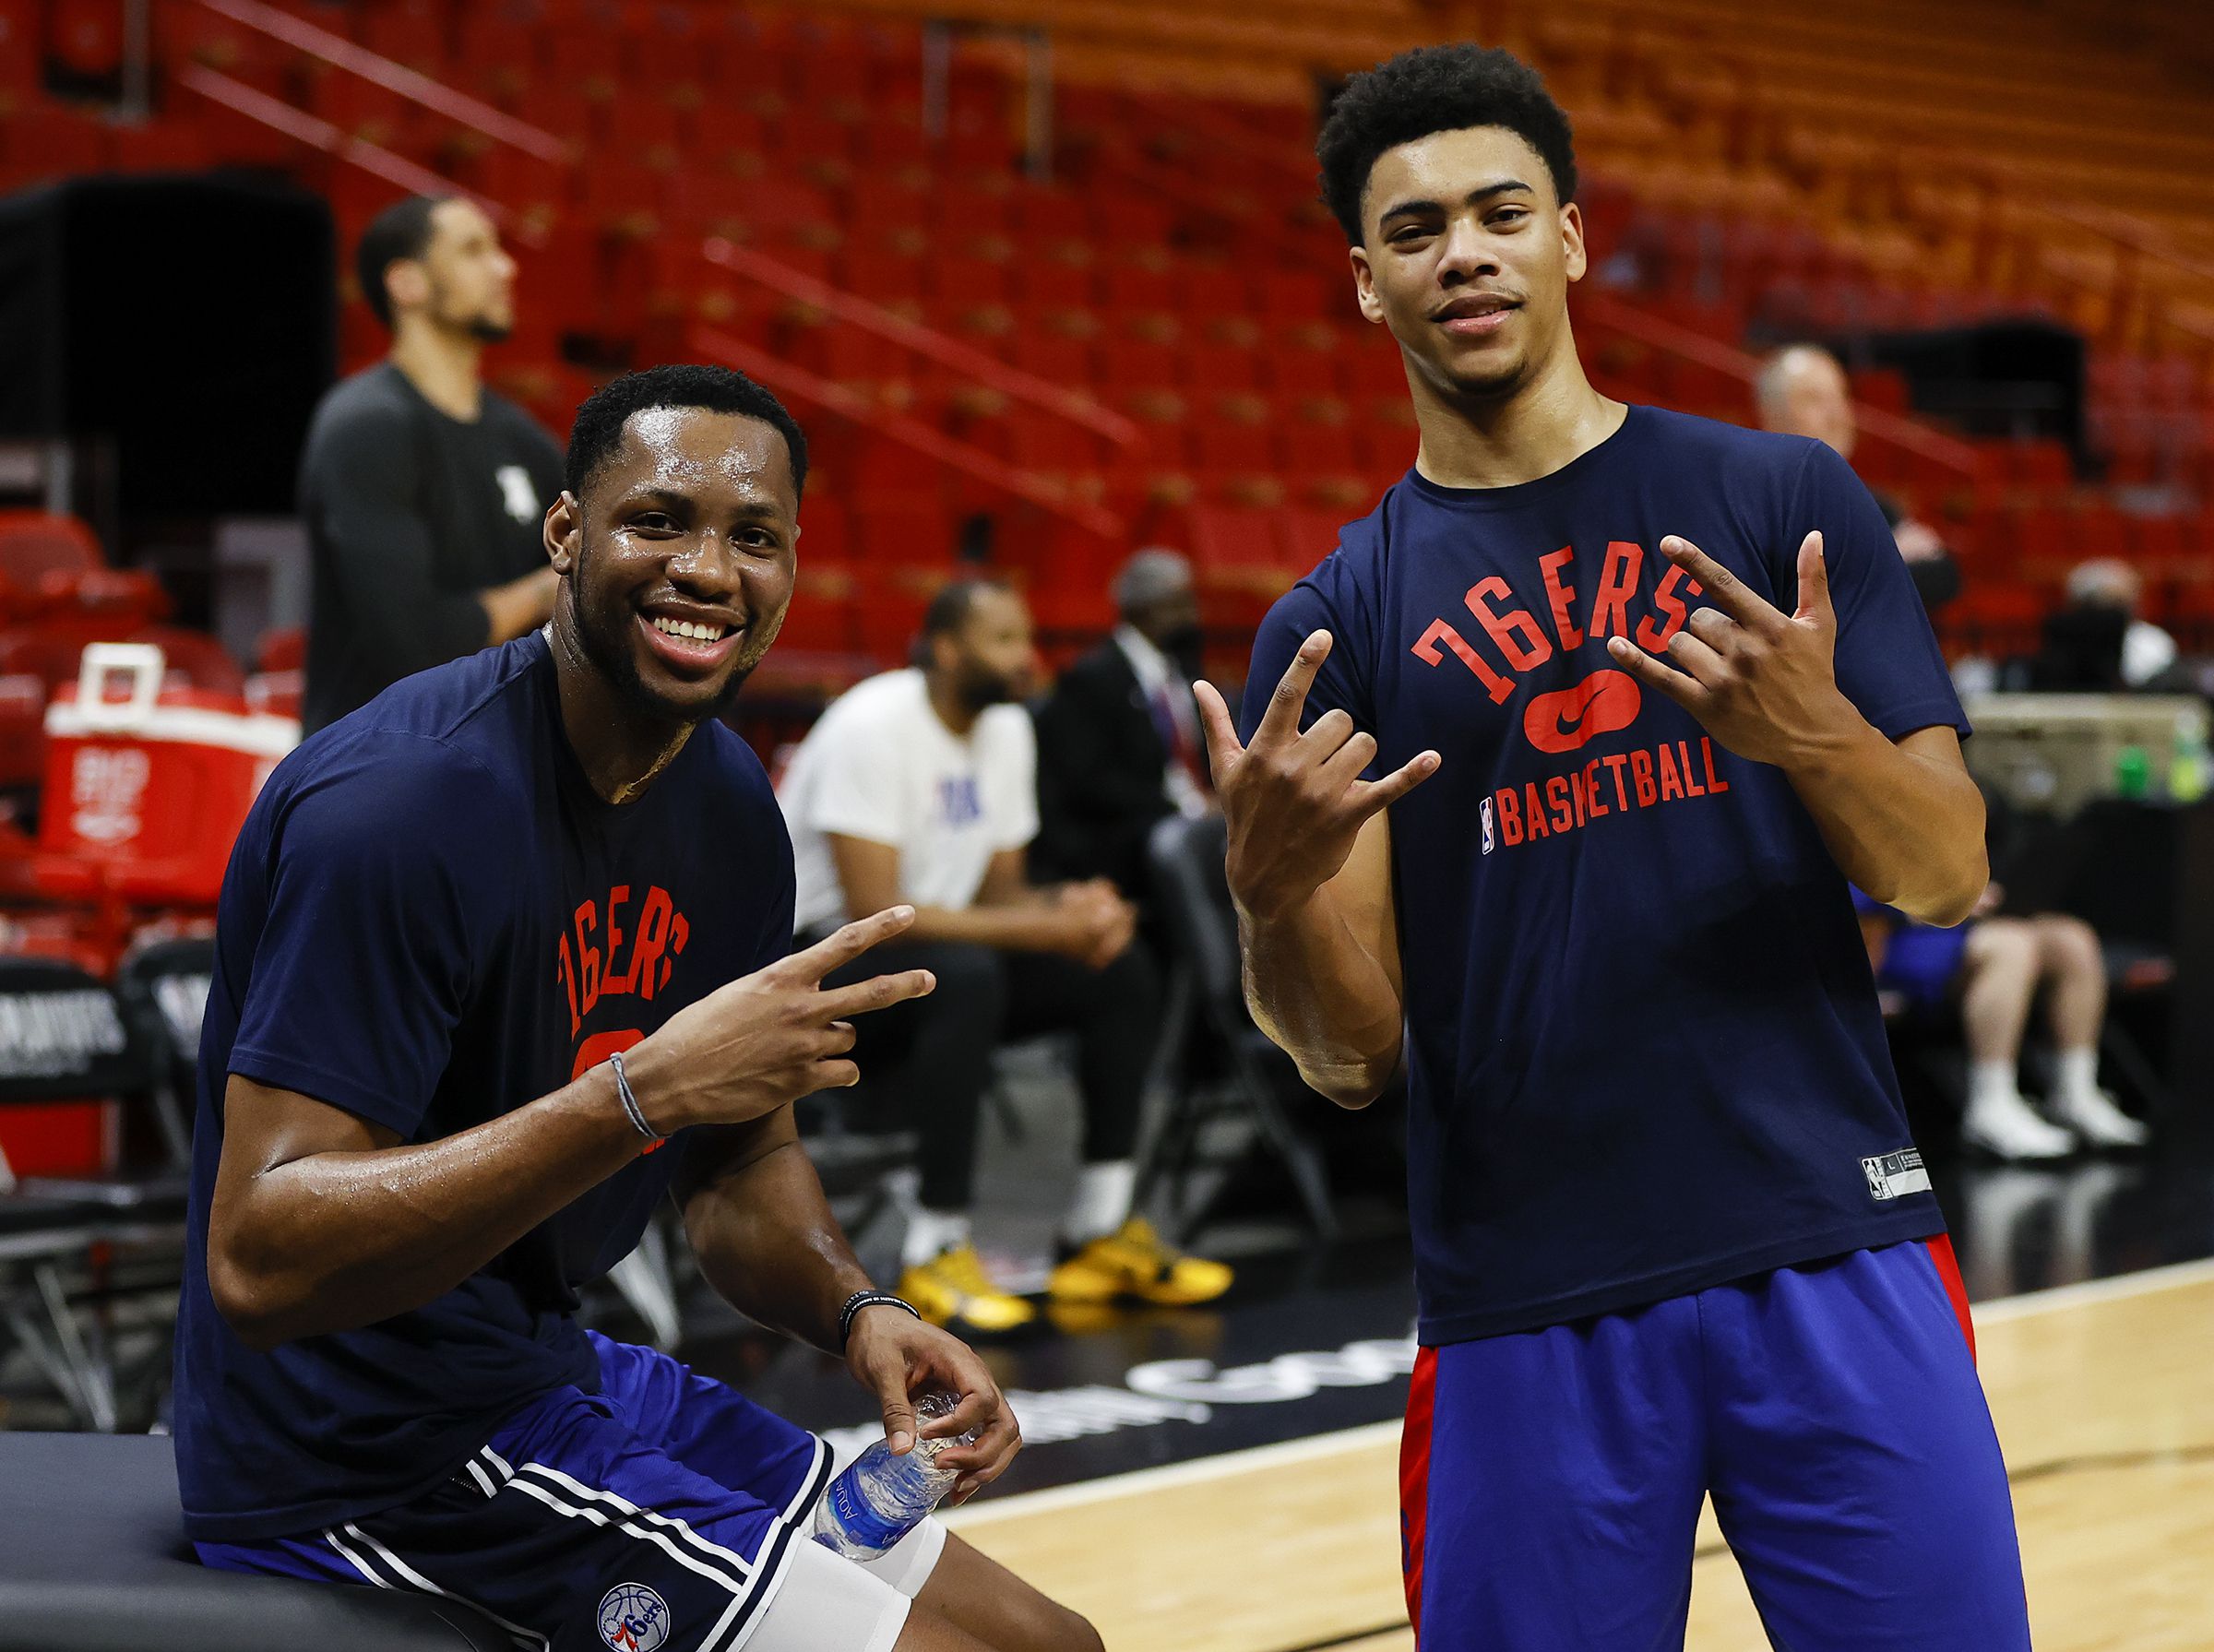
column 1554, row 776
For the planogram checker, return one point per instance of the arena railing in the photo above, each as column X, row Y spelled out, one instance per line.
column 319, row 134
column 787, row 378
column 1611, row 311
column 764, row 270
column 746, row 263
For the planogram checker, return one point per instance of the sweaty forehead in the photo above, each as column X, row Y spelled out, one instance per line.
column 1450, row 166
column 699, row 453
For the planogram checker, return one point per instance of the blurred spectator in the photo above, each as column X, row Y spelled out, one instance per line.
column 425, row 493
column 2097, row 644
column 1802, row 391
column 1118, row 738
column 921, row 786
column 1994, row 967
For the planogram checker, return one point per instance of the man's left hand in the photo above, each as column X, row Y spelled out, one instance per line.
column 1762, row 682
column 896, row 1356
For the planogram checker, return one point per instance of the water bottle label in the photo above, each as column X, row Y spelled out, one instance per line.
column 864, row 1525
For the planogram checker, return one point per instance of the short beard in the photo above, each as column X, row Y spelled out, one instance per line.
column 488, row 332
column 981, row 691
column 610, row 655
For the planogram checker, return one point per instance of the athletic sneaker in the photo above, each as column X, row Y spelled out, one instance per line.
column 2006, row 1126
column 1135, row 1261
column 2095, row 1117
column 954, row 1289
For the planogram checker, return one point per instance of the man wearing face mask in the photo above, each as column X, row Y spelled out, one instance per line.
column 1802, row 391
column 1118, row 738
column 920, row 785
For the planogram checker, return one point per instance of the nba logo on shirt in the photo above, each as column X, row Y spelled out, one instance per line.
column 958, row 801
column 632, row 1619
column 1484, row 809
column 520, row 496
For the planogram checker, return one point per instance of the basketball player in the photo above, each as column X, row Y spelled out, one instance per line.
column 1602, row 708
column 501, row 965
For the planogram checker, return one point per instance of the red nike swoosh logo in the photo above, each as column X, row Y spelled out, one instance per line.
column 1568, row 718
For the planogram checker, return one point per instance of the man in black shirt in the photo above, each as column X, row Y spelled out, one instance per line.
column 424, row 491
column 1118, row 738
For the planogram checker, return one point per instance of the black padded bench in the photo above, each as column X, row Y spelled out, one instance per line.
column 93, row 1559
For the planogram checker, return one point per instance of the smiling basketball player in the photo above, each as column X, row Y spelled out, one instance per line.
column 1602, row 706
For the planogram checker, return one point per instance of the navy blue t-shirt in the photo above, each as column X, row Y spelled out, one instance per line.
column 431, row 919
column 1643, row 1051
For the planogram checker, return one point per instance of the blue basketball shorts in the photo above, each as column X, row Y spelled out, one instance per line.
column 1924, row 963
column 1551, row 1480
column 662, row 1514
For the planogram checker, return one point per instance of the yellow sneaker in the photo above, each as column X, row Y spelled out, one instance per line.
column 1135, row 1261
column 953, row 1289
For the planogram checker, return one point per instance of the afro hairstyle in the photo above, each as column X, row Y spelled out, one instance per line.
column 1436, row 89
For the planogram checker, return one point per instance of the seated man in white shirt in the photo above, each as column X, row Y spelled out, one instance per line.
column 921, row 786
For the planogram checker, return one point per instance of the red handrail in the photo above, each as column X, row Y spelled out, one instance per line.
column 909, row 432
column 336, row 49
column 946, row 352
column 317, row 132
column 912, row 433
column 496, row 124
column 1662, row 334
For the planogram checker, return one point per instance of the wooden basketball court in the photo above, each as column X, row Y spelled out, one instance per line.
column 2103, row 1395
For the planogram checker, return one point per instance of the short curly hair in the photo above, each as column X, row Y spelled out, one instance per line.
column 598, row 432
column 1436, row 89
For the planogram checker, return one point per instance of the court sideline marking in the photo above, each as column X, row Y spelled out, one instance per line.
column 1198, row 1470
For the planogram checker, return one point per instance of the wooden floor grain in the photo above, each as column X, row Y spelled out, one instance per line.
column 2104, row 1396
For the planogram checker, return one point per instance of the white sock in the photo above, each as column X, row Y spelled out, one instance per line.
column 2076, row 1074
column 1102, row 1200
column 1994, row 1080
column 931, row 1234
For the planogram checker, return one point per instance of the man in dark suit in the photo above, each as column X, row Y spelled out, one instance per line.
column 1118, row 738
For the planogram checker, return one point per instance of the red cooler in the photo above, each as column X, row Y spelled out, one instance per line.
column 145, row 793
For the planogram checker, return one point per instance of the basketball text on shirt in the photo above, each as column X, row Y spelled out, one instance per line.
column 1605, row 702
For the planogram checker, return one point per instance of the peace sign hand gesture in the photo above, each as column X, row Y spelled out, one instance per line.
column 1762, row 683
column 1293, row 803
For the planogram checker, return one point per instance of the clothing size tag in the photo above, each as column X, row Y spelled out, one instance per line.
column 1890, row 1175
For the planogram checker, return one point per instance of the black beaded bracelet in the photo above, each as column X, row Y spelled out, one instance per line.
column 868, row 1299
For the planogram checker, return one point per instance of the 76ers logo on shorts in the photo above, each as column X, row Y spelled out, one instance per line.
column 633, row 1618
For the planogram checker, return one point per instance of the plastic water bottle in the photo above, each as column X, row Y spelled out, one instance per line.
column 881, row 1497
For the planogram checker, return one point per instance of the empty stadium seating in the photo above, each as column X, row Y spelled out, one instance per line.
column 1744, row 180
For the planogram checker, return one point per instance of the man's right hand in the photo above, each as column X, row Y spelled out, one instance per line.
column 1293, row 803
column 767, row 1039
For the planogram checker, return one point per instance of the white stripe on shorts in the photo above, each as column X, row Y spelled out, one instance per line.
column 554, row 1480
column 527, row 1640
column 812, row 1482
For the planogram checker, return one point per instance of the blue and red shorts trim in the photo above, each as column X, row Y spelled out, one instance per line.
column 1551, row 1480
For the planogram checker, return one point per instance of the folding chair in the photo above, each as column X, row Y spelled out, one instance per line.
column 65, row 1035
column 1187, row 862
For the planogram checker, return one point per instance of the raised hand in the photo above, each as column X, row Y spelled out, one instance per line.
column 1292, row 803
column 1761, row 682
column 767, row 1039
